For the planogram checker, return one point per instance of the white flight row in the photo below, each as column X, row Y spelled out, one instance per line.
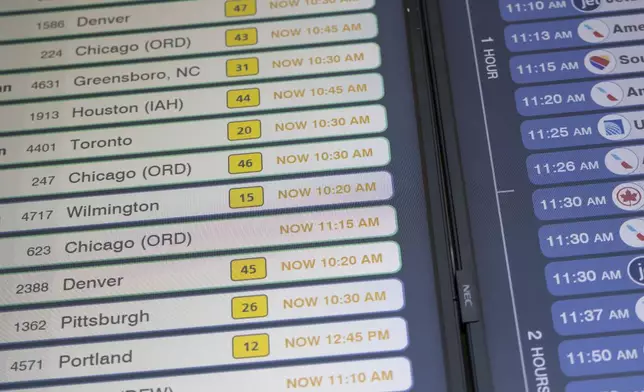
column 193, row 72
column 195, row 168
column 152, row 16
column 193, row 312
column 380, row 375
column 210, row 40
column 214, row 349
column 197, row 237
column 186, row 275
column 195, row 202
column 192, row 103
column 191, row 135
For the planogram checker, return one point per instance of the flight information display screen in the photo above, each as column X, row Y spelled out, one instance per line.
column 205, row 194
column 551, row 136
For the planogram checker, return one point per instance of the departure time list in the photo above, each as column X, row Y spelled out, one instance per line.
column 200, row 194
column 562, row 88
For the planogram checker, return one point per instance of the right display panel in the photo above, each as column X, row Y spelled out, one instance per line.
column 549, row 109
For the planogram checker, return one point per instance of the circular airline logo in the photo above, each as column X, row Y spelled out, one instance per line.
column 632, row 233
column 587, row 5
column 628, row 197
column 639, row 309
column 636, row 270
column 621, row 161
column 614, row 127
column 593, row 31
column 607, row 94
column 600, row 62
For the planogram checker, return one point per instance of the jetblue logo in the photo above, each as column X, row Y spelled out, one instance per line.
column 636, row 270
column 586, row 5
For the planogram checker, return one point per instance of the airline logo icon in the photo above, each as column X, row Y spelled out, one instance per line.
column 622, row 161
column 600, row 62
column 632, row 233
column 628, row 197
column 607, row 94
column 636, row 270
column 587, row 5
column 593, row 31
column 614, row 127
column 639, row 309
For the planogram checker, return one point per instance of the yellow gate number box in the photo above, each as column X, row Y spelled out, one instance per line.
column 244, row 130
column 251, row 346
column 245, row 163
column 248, row 269
column 250, row 307
column 246, row 197
column 247, row 98
column 236, row 8
column 242, row 67
column 241, row 37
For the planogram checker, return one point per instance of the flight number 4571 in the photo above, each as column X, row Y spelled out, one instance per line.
column 27, row 365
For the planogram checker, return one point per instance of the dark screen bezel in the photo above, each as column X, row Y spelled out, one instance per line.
column 442, row 181
column 476, row 355
column 476, row 360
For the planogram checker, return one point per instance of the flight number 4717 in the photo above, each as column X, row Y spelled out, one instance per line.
column 31, row 216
